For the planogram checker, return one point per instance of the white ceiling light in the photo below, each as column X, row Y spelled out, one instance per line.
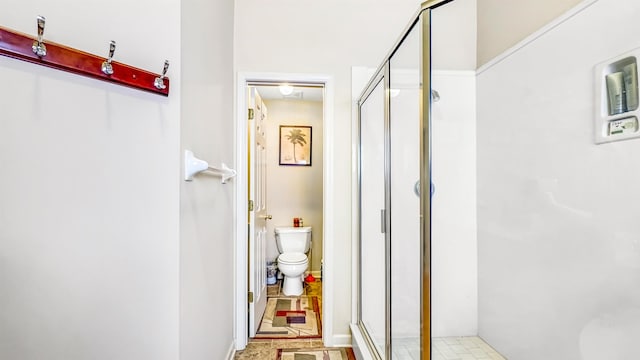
column 286, row 89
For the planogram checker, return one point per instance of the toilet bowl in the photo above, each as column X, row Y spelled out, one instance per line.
column 292, row 266
column 293, row 243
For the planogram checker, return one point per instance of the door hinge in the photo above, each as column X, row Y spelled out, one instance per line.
column 250, row 205
column 250, row 297
column 250, row 114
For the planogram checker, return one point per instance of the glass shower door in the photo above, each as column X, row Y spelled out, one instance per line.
column 372, row 205
column 405, row 128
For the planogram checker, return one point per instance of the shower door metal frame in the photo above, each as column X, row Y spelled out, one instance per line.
column 383, row 74
column 378, row 78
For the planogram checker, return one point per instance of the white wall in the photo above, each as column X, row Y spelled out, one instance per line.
column 294, row 191
column 454, row 35
column 206, row 207
column 557, row 215
column 502, row 24
column 89, row 190
column 91, row 258
column 454, row 267
column 323, row 38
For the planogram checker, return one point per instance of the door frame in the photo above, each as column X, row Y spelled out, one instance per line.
column 241, row 286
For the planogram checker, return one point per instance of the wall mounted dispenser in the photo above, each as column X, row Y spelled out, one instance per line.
column 617, row 112
column 193, row 166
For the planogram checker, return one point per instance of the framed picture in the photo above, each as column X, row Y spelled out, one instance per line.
column 295, row 145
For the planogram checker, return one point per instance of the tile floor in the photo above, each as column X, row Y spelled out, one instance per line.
column 463, row 348
column 310, row 289
column 447, row 348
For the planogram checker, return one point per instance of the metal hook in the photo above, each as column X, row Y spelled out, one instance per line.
column 38, row 46
column 159, row 82
column 107, row 69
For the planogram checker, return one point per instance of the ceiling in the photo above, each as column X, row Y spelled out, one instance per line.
column 272, row 92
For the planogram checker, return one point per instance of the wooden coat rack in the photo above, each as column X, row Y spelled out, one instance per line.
column 37, row 51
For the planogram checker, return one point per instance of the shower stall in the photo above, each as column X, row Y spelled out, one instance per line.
column 394, row 203
column 416, row 182
column 500, row 221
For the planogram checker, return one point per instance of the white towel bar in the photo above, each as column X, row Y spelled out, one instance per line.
column 193, row 166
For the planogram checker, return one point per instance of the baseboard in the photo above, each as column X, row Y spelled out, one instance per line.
column 317, row 274
column 231, row 353
column 341, row 340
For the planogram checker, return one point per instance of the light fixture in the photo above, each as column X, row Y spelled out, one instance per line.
column 286, row 89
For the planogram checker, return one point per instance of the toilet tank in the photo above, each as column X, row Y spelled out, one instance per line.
column 293, row 239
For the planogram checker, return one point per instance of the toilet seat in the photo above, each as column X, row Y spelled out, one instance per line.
column 292, row 258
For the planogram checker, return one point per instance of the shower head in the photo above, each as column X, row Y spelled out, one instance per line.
column 435, row 95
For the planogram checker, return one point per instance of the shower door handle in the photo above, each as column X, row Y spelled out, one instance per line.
column 383, row 223
column 416, row 188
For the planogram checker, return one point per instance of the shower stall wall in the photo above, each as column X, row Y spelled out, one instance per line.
column 394, row 201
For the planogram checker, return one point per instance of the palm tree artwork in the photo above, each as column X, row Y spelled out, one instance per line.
column 295, row 145
column 296, row 137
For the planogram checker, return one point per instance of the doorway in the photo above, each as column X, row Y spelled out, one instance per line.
column 281, row 171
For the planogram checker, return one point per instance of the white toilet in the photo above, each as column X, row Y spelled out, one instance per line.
column 293, row 244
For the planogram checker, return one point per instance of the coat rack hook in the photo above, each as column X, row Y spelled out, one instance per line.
column 38, row 45
column 159, row 83
column 107, row 69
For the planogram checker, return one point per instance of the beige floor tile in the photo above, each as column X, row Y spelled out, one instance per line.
column 463, row 348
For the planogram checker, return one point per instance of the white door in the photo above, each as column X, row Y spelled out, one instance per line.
column 257, row 210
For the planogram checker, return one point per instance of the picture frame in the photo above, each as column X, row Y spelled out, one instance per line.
column 295, row 145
